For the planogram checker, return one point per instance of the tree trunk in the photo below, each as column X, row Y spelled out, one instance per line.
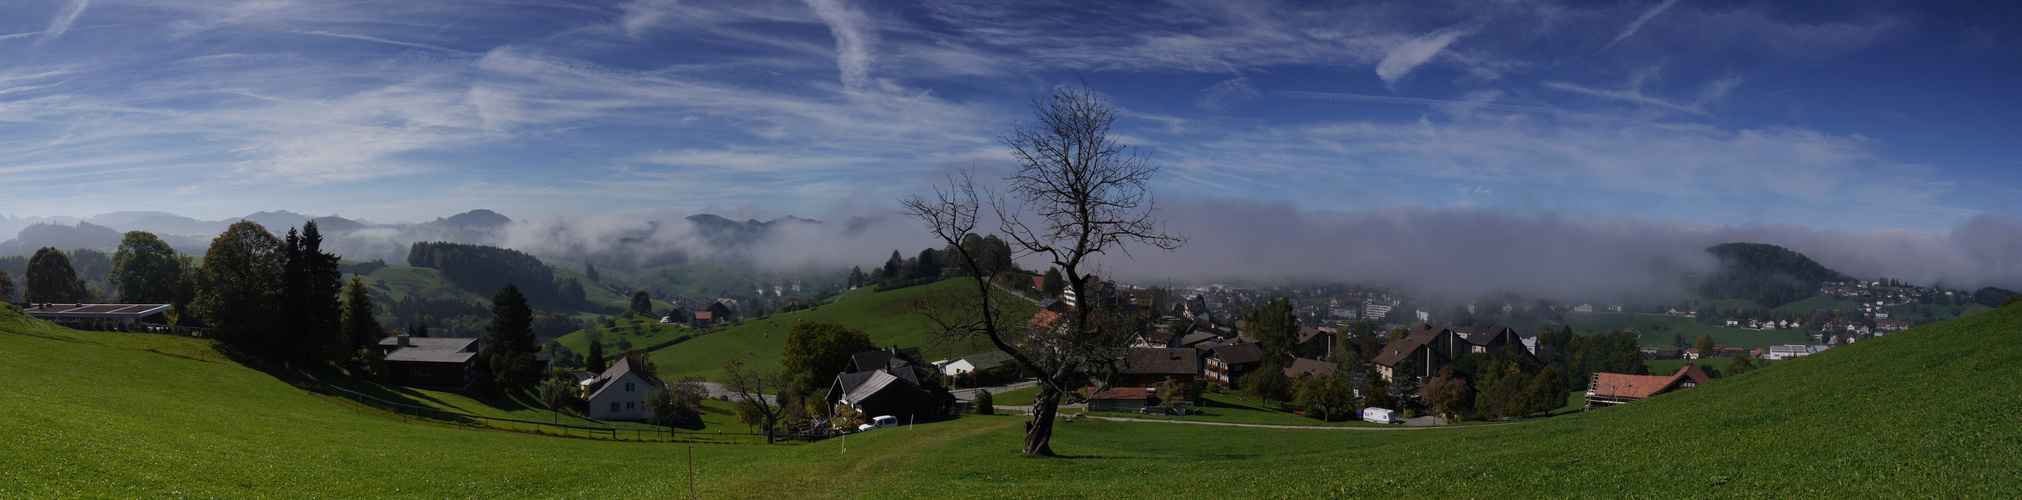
column 1039, row 436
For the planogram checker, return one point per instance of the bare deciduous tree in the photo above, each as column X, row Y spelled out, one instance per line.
column 1077, row 193
column 749, row 387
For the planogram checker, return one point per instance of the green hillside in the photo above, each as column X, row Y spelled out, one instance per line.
column 887, row 316
column 1658, row 331
column 1929, row 412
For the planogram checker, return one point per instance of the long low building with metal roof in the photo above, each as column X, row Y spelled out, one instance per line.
column 121, row 312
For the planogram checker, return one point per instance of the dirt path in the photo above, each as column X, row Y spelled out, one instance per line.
column 1313, row 427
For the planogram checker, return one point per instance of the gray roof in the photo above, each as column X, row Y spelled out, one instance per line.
column 1196, row 338
column 1236, row 354
column 1161, row 361
column 987, row 359
column 617, row 371
column 432, row 349
column 857, row 385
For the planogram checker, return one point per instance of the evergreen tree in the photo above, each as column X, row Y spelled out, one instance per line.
column 509, row 350
column 856, row 277
column 6, row 287
column 358, row 328
column 311, row 285
column 985, row 404
column 892, row 266
column 1053, row 284
column 590, row 271
column 595, row 361
column 420, row 329
column 51, row 279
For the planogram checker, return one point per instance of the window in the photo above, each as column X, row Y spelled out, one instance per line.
column 628, row 387
column 420, row 371
column 614, row 406
column 628, row 405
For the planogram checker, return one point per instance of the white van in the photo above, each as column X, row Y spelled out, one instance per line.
column 1379, row 415
column 880, row 422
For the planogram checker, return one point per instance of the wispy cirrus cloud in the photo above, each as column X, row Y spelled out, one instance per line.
column 1637, row 24
column 1409, row 55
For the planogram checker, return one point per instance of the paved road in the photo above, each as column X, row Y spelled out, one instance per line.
column 970, row 394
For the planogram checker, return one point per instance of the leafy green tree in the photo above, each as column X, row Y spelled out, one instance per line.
column 571, row 292
column 358, row 327
column 1274, row 327
column 556, row 394
column 1545, row 393
column 677, row 404
column 239, row 287
column 1705, row 346
column 816, row 352
column 146, row 270
column 1268, row 382
column 510, row 347
column 985, row 405
column 1452, row 398
column 642, row 303
column 595, row 360
column 1738, row 365
column 1375, row 390
column 50, row 278
column 2011, row 300
column 1324, row 397
column 6, row 287
column 420, row 329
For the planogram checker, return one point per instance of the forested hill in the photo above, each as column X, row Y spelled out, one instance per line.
column 1770, row 275
column 484, row 269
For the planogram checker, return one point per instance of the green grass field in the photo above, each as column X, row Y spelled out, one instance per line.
column 1659, row 330
column 1821, row 303
column 1925, row 413
column 887, row 316
column 1670, row 366
column 401, row 282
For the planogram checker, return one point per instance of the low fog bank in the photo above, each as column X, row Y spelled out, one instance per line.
column 786, row 244
column 1472, row 252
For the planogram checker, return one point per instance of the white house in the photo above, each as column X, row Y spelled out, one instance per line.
column 619, row 393
column 1584, row 309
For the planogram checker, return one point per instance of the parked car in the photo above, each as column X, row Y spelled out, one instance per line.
column 1380, row 415
column 880, row 422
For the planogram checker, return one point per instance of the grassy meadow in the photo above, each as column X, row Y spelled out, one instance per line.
column 1925, row 413
column 887, row 316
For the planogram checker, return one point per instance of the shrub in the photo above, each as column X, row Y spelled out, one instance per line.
column 984, row 405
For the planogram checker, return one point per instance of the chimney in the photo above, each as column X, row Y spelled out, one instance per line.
column 402, row 340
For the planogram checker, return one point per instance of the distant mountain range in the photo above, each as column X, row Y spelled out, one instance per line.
column 710, row 237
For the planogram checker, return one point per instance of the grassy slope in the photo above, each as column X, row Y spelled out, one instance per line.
column 1667, row 326
column 1928, row 412
column 887, row 316
column 400, row 282
column 1821, row 303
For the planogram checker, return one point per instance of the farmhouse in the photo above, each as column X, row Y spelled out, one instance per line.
column 620, row 392
column 1609, row 389
column 1120, row 399
column 896, row 382
column 441, row 362
column 1151, row 366
column 1226, row 363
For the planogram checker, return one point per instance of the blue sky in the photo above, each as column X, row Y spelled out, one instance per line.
column 1850, row 115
